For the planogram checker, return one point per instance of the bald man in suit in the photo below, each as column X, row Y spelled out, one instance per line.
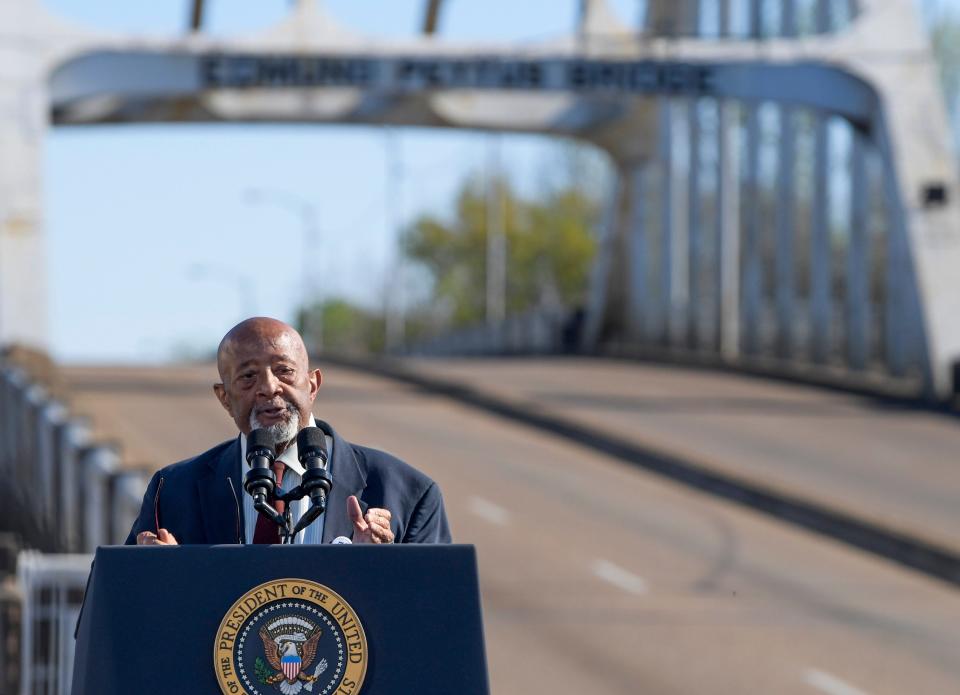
column 266, row 383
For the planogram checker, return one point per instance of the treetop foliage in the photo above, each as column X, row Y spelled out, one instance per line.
column 549, row 250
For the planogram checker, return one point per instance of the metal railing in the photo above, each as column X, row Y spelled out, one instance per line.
column 52, row 587
column 68, row 495
column 71, row 495
column 535, row 332
column 754, row 19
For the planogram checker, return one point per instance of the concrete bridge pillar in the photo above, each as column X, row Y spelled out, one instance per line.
column 23, row 102
column 31, row 42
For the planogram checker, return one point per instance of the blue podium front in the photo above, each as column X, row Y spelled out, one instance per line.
column 287, row 620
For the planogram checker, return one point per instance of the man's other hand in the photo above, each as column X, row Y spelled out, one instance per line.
column 163, row 537
column 372, row 527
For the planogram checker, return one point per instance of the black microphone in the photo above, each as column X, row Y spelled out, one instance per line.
column 316, row 482
column 260, row 481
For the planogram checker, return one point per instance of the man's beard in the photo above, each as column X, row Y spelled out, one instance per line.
column 281, row 432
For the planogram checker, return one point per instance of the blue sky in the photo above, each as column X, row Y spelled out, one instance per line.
column 148, row 229
column 133, row 211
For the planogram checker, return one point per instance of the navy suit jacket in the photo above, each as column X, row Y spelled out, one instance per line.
column 198, row 500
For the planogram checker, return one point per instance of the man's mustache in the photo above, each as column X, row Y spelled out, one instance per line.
column 289, row 407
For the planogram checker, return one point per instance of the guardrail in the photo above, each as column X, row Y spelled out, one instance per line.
column 64, row 494
column 69, row 494
column 535, row 332
column 52, row 588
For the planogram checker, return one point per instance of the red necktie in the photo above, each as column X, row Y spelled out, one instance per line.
column 266, row 532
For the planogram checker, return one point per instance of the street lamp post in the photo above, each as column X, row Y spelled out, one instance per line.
column 395, row 305
column 307, row 213
column 496, row 280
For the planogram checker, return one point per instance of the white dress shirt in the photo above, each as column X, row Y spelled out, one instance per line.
column 291, row 478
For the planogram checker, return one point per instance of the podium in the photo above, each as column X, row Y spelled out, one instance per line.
column 285, row 620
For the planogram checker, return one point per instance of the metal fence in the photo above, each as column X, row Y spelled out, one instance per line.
column 739, row 19
column 70, row 494
column 52, row 587
column 66, row 495
column 536, row 332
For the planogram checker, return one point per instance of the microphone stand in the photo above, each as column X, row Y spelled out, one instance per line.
column 284, row 521
column 286, row 535
column 266, row 509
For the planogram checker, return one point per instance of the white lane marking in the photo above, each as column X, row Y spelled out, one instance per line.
column 619, row 577
column 825, row 683
column 488, row 511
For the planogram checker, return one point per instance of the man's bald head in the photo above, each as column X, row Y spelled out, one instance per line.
column 259, row 331
column 266, row 379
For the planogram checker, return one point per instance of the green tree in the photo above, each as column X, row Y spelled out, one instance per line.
column 346, row 328
column 550, row 247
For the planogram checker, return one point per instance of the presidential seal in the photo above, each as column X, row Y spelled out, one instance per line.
column 290, row 636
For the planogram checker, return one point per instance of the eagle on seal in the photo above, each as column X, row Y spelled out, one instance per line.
column 291, row 657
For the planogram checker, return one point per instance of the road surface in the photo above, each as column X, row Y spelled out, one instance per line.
column 597, row 577
column 893, row 465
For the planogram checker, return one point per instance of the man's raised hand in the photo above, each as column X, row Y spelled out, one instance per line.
column 372, row 527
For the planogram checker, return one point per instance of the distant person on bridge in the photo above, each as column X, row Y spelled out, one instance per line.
column 266, row 382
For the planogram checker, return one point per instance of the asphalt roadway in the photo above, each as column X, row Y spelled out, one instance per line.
column 888, row 463
column 597, row 577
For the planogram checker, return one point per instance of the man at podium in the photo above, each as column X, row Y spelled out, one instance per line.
column 267, row 384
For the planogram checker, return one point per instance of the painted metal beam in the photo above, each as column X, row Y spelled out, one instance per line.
column 196, row 15
column 789, row 28
column 431, row 17
column 238, row 86
column 680, row 300
column 821, row 255
column 723, row 20
column 667, row 214
column 823, row 16
column 786, row 213
column 751, row 302
column 695, row 305
column 858, row 258
column 728, row 231
column 755, row 19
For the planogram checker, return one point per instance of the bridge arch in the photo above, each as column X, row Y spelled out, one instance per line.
column 701, row 253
